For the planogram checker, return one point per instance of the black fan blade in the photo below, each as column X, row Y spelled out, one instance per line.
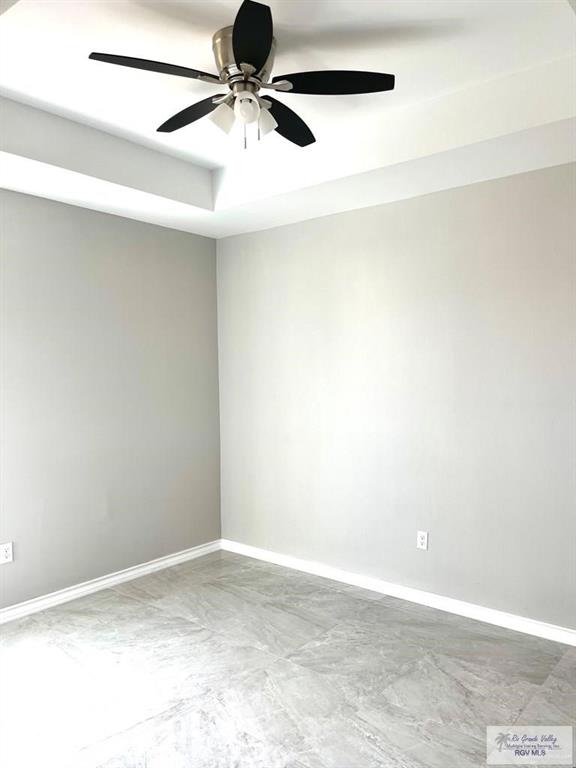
column 338, row 82
column 252, row 34
column 290, row 125
column 189, row 115
column 154, row 66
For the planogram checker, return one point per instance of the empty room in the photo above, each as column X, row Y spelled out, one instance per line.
column 288, row 383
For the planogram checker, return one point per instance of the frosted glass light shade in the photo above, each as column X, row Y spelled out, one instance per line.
column 267, row 124
column 224, row 117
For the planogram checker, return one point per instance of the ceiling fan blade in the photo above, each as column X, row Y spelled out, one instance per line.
column 155, row 66
column 252, row 34
column 189, row 115
column 338, row 82
column 290, row 125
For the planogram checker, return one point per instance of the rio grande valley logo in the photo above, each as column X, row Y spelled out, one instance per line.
column 529, row 745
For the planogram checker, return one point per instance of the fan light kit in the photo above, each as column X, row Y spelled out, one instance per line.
column 244, row 55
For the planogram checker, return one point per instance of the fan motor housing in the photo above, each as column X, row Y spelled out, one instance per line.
column 224, row 56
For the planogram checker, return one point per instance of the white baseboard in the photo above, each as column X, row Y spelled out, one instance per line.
column 451, row 605
column 104, row 582
column 470, row 610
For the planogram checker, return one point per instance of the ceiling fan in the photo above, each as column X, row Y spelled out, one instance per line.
column 244, row 56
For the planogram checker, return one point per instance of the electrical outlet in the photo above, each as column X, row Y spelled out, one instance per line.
column 6, row 553
column 422, row 540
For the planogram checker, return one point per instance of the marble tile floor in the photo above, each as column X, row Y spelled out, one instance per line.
column 228, row 662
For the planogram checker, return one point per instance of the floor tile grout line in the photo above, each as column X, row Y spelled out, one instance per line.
column 197, row 622
column 222, row 633
column 541, row 687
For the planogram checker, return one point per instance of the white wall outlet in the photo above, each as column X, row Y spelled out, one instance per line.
column 6, row 553
column 422, row 540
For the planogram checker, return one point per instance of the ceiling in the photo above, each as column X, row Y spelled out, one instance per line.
column 433, row 46
column 460, row 66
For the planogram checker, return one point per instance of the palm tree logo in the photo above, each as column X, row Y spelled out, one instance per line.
column 502, row 740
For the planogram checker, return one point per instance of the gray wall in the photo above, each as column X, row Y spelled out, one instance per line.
column 110, row 444
column 410, row 366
